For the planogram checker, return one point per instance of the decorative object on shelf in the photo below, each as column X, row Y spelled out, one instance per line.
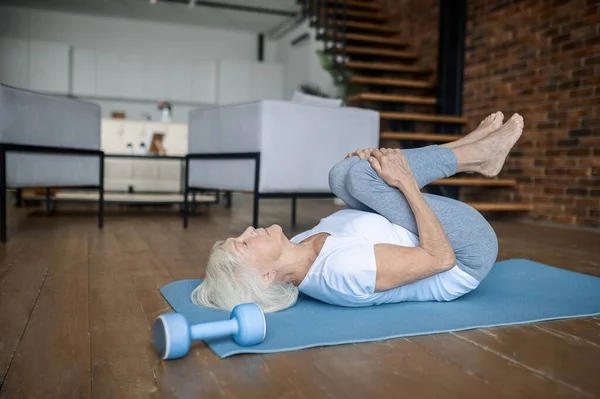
column 165, row 107
column 156, row 144
column 129, row 148
column 118, row 115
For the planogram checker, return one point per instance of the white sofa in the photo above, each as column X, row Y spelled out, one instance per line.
column 47, row 141
column 296, row 144
column 142, row 175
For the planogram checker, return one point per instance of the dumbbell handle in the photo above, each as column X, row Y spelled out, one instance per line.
column 214, row 329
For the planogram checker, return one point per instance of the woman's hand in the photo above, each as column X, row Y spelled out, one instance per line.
column 362, row 154
column 392, row 167
column 367, row 152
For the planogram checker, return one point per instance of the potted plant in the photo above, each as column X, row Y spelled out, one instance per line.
column 339, row 80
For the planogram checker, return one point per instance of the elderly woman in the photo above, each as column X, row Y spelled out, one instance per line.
column 395, row 244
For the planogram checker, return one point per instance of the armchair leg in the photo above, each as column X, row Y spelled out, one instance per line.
column 294, row 203
column 256, row 190
column 101, row 194
column 19, row 198
column 48, row 203
column 255, row 210
column 228, row 199
column 186, row 190
column 2, row 195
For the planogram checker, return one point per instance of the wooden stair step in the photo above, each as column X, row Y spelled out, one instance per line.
column 369, row 26
column 373, row 39
column 423, row 117
column 437, row 137
column 500, row 206
column 398, row 98
column 474, row 181
column 418, row 84
column 374, row 16
column 350, row 50
column 358, row 4
column 386, row 66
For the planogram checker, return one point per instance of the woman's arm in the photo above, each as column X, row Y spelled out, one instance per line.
column 397, row 265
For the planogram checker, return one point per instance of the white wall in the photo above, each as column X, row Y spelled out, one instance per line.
column 271, row 47
column 133, row 37
column 295, row 60
column 300, row 62
column 128, row 36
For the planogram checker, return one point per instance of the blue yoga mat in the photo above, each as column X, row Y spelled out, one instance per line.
column 516, row 291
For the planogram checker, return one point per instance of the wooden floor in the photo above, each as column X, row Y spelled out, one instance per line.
column 76, row 306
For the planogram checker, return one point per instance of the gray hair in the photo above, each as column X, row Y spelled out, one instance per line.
column 229, row 282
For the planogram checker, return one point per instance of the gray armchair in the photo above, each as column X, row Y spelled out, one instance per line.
column 48, row 141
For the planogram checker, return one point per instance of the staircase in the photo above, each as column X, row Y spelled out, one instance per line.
column 381, row 70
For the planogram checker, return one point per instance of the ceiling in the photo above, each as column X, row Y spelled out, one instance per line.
column 258, row 15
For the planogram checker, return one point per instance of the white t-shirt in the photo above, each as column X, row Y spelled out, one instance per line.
column 344, row 272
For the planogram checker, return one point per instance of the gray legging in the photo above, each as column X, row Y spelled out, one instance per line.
column 473, row 239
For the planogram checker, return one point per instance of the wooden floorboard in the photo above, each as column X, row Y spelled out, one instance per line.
column 121, row 356
column 383, row 369
column 22, row 275
column 57, row 331
column 587, row 330
column 75, row 320
column 506, row 375
column 558, row 358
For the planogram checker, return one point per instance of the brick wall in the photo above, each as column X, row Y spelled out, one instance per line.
column 418, row 22
column 540, row 58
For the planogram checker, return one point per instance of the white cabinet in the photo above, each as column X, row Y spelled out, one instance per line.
column 235, row 82
column 109, row 75
column 156, row 80
column 13, row 62
column 102, row 74
column 136, row 134
column 83, row 73
column 176, row 140
column 133, row 77
column 113, row 136
column 35, row 65
column 241, row 81
column 56, row 68
column 180, row 79
column 144, row 171
column 117, row 174
column 204, row 82
column 48, row 67
column 267, row 82
column 148, row 174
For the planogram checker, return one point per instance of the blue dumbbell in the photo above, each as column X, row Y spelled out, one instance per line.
column 173, row 335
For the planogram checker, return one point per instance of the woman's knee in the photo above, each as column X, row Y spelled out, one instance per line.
column 484, row 251
column 338, row 175
column 489, row 242
column 360, row 179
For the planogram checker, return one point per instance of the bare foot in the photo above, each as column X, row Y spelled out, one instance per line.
column 496, row 146
column 488, row 125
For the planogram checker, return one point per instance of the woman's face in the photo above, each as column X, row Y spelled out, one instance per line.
column 260, row 248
